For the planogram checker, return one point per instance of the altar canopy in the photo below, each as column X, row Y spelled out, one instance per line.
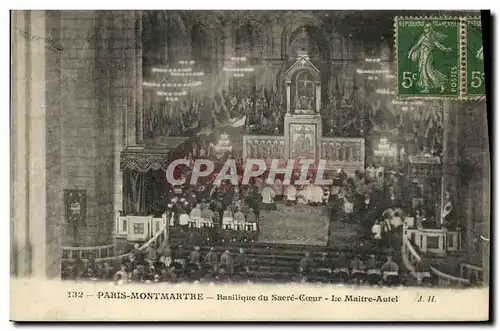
column 143, row 168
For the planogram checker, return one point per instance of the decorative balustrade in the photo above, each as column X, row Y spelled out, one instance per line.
column 257, row 146
column 138, row 228
column 343, row 153
column 435, row 241
column 83, row 253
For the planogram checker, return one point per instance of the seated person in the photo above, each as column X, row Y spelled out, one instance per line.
column 317, row 194
column 223, row 276
column 179, row 257
column 105, row 271
column 326, row 195
column 371, row 171
column 278, row 189
column 348, row 206
column 239, row 220
column 121, row 276
column 268, row 195
column 207, row 217
column 342, row 268
column 152, row 254
column 358, row 268
column 324, row 266
column 139, row 274
column 374, row 274
column 291, row 195
column 251, row 221
column 195, row 216
column 195, row 257
column 168, row 274
column 390, row 272
column 131, row 262
column 228, row 219
column 304, row 196
column 170, row 211
column 184, row 218
column 423, row 270
column 305, row 264
column 377, row 231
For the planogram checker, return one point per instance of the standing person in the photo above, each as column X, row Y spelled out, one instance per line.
column 241, row 262
column 227, row 262
column 152, row 254
column 212, row 260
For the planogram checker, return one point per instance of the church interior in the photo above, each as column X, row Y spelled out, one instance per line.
column 104, row 101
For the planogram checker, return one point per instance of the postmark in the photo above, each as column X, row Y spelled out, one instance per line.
column 474, row 58
column 427, row 57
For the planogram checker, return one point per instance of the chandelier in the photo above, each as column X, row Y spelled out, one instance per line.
column 239, row 69
column 173, row 83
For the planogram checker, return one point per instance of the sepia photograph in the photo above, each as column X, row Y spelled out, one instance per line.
column 254, row 165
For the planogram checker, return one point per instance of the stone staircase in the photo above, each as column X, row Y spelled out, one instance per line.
column 278, row 262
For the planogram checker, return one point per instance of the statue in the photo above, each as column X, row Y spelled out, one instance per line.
column 303, row 142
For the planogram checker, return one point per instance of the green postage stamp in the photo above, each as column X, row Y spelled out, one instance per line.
column 428, row 57
column 474, row 69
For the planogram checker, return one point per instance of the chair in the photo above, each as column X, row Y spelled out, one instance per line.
column 373, row 276
column 391, row 278
column 341, row 274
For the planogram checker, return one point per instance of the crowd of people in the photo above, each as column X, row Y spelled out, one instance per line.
column 164, row 264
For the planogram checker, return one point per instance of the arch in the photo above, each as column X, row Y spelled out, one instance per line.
column 292, row 21
column 249, row 35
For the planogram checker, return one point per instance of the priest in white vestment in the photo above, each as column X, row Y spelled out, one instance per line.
column 305, row 195
column 227, row 219
column 195, row 216
column 317, row 194
column 268, row 195
column 239, row 220
column 377, row 230
column 291, row 195
column 278, row 189
column 207, row 216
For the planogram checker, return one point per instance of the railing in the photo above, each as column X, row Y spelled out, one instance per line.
column 435, row 241
column 449, row 280
column 73, row 253
column 410, row 256
column 83, row 252
column 138, row 228
column 159, row 237
column 411, row 259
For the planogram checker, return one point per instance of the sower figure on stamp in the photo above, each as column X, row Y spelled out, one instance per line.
column 422, row 51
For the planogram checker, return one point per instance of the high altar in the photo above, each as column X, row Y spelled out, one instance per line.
column 303, row 136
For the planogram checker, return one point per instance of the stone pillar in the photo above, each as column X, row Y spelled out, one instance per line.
column 19, row 146
column 288, row 94
column 37, row 147
column 318, row 97
column 136, row 22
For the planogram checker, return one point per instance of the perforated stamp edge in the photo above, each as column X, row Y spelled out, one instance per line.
column 421, row 97
column 463, row 61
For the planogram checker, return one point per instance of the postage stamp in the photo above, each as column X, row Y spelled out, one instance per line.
column 474, row 58
column 427, row 57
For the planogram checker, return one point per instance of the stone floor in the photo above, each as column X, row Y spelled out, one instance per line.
column 304, row 225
